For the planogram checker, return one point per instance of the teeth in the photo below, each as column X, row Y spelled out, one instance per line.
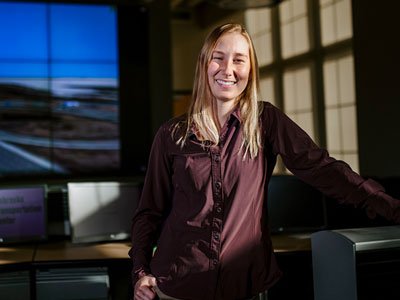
column 226, row 82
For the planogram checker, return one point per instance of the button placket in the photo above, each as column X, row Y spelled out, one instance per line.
column 217, row 208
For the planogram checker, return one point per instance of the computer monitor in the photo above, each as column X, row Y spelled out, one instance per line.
column 23, row 215
column 101, row 211
column 294, row 206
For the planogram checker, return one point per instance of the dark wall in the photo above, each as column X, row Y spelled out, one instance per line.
column 135, row 109
column 377, row 63
column 160, row 63
column 146, row 93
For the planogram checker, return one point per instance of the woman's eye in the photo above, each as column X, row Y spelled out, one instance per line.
column 217, row 57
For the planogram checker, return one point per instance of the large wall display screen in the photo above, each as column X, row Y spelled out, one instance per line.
column 59, row 105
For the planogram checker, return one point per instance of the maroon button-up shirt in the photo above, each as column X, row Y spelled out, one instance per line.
column 204, row 207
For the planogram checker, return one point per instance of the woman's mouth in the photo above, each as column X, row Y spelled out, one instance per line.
column 225, row 82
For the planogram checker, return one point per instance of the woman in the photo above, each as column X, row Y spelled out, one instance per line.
column 204, row 199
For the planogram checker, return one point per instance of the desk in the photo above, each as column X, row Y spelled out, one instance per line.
column 62, row 251
column 28, row 262
column 66, row 251
column 16, row 254
column 286, row 243
column 293, row 252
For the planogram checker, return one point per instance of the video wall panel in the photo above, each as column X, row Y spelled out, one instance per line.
column 59, row 80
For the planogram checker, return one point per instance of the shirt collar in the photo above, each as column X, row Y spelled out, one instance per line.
column 234, row 114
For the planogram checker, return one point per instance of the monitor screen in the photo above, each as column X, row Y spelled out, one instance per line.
column 23, row 214
column 294, row 206
column 101, row 211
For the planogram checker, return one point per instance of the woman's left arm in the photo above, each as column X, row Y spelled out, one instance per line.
column 316, row 167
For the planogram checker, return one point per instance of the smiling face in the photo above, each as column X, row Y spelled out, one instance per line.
column 229, row 68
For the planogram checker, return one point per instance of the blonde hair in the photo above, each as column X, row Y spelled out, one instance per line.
column 201, row 114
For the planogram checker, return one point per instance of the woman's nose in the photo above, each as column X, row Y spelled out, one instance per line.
column 228, row 68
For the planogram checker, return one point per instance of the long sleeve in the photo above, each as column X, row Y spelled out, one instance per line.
column 314, row 166
column 153, row 206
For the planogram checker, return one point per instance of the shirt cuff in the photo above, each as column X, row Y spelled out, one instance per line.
column 365, row 190
column 384, row 205
column 139, row 273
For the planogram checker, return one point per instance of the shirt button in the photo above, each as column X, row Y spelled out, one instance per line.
column 216, row 225
column 219, row 209
column 215, row 262
column 216, row 236
column 217, row 158
column 218, row 185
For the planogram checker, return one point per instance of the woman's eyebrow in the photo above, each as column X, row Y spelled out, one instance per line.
column 235, row 54
column 241, row 54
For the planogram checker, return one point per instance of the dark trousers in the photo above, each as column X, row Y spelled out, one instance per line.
column 261, row 296
column 162, row 296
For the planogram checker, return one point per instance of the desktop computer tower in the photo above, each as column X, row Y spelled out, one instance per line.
column 356, row 264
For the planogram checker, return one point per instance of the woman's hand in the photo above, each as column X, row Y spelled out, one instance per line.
column 383, row 205
column 144, row 288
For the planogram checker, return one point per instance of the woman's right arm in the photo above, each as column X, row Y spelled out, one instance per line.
column 153, row 206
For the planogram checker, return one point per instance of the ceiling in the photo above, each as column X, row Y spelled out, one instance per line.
column 189, row 9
